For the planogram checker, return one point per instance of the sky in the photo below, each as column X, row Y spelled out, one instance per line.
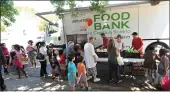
column 43, row 6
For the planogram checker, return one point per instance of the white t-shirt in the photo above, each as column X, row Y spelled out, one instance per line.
column 118, row 46
column 88, row 55
column 43, row 50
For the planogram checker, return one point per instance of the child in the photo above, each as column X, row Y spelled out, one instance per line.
column 18, row 64
column 82, row 73
column 72, row 72
column 63, row 64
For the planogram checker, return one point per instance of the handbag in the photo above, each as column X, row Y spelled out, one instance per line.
column 40, row 56
column 165, row 82
column 120, row 61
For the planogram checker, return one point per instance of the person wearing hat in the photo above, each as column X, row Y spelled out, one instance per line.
column 105, row 41
column 137, row 42
column 31, row 53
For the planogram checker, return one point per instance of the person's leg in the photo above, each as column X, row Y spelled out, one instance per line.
column 41, row 69
column 110, row 71
column 89, row 73
column 6, row 69
column 117, row 72
column 22, row 69
column 2, row 85
column 45, row 66
column 18, row 71
column 94, row 74
column 31, row 60
column 34, row 61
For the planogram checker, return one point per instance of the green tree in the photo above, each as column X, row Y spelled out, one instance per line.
column 3, row 28
column 96, row 5
column 26, row 9
column 43, row 24
column 8, row 12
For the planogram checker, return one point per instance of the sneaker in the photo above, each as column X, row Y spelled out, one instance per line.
column 111, row 80
column 88, row 78
column 96, row 80
column 26, row 76
column 119, row 81
column 88, row 88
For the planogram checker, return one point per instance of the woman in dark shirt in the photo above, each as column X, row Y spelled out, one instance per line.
column 112, row 61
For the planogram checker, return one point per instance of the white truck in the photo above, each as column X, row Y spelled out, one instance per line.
column 150, row 22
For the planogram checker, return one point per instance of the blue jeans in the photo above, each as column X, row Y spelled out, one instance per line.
column 116, row 69
column 2, row 85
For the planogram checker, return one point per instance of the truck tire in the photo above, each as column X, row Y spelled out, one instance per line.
column 154, row 44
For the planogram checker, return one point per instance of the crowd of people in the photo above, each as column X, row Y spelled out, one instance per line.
column 79, row 62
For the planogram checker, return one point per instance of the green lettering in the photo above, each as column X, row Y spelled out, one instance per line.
column 97, row 26
column 115, row 14
column 124, row 24
column 125, row 15
column 96, row 17
column 114, row 25
column 108, row 17
column 106, row 26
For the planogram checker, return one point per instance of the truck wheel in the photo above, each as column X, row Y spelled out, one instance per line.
column 157, row 45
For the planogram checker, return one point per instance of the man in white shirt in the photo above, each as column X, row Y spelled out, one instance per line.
column 91, row 60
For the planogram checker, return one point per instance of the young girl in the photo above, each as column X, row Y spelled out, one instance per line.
column 18, row 64
column 63, row 64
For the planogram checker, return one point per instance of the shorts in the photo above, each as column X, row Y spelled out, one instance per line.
column 83, row 79
column 72, row 83
column 63, row 66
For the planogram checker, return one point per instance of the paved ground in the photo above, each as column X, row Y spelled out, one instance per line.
column 36, row 83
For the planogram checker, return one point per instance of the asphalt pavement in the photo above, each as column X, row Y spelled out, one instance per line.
column 35, row 83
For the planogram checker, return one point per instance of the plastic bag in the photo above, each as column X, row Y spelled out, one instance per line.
column 120, row 61
column 165, row 82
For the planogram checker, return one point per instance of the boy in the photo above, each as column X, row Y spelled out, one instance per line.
column 82, row 73
column 72, row 72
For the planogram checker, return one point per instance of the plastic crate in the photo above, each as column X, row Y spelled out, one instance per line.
column 102, row 54
column 130, row 55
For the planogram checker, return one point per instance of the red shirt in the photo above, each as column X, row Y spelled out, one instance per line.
column 137, row 43
column 105, row 42
column 62, row 59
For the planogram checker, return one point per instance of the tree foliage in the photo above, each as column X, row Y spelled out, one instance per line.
column 26, row 9
column 43, row 24
column 96, row 5
column 8, row 12
column 3, row 28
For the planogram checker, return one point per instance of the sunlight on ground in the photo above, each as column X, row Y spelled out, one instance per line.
column 47, row 84
column 22, row 88
column 37, row 88
column 135, row 89
column 57, row 87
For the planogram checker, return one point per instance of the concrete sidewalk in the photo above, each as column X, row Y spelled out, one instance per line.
column 36, row 83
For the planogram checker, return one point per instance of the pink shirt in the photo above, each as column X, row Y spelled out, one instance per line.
column 29, row 48
column 19, row 54
column 5, row 51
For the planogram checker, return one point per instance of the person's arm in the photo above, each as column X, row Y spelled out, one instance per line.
column 123, row 46
column 117, row 52
column 132, row 47
column 93, row 53
column 164, row 64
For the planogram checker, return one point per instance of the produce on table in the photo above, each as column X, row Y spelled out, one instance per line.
column 131, row 51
